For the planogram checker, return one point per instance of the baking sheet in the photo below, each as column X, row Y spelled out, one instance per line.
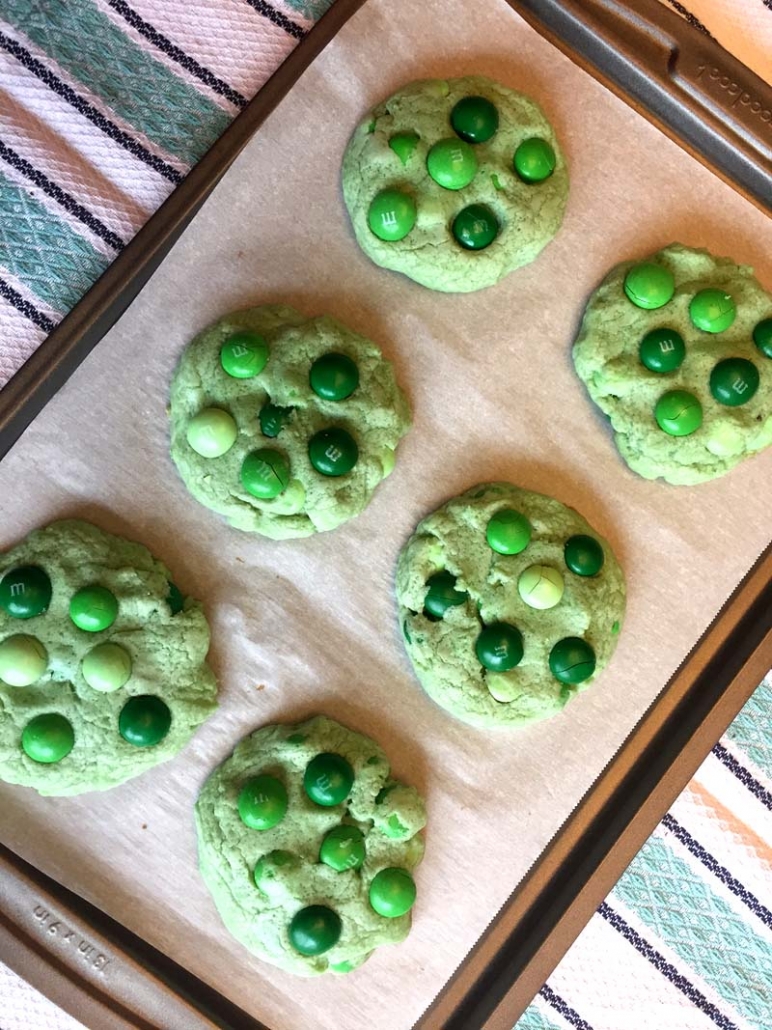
column 309, row 626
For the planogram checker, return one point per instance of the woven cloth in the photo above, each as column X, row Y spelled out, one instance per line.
column 87, row 153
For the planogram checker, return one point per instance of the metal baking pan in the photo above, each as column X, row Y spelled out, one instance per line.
column 107, row 976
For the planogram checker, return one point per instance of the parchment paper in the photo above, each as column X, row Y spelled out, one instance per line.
column 309, row 626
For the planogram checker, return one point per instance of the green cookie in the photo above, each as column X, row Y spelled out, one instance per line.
column 102, row 661
column 284, row 424
column 455, row 182
column 675, row 350
column 273, row 849
column 509, row 603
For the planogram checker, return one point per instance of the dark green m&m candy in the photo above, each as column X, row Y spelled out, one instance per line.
column 442, row 594
column 93, row 608
column 734, row 381
column 508, row 532
column 174, row 599
column 333, row 452
column 572, row 660
column 48, row 738
column 244, row 354
column 328, row 779
column 403, row 144
column 678, row 413
column 475, row 227
column 762, row 337
column 265, row 473
column 343, row 848
column 144, row 720
column 25, row 592
column 392, row 892
column 584, row 555
column 391, row 215
column 273, row 418
column 649, row 286
column 262, row 802
column 712, row 310
column 499, row 647
column 452, row 164
column 475, row 119
column 314, row 930
column 662, row 350
column 334, row 377
column 534, row 160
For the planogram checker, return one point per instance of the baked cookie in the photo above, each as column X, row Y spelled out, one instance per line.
column 102, row 661
column 455, row 182
column 282, row 423
column 676, row 350
column 308, row 846
column 509, row 602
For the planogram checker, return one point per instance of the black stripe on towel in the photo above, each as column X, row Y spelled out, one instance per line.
column 28, row 310
column 290, row 27
column 561, row 1005
column 743, row 775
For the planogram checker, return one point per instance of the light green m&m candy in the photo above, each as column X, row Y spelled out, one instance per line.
column 475, row 119
column 452, row 164
column 25, row 592
column 499, row 647
column 93, row 608
column 212, row 432
column 262, row 802
column 541, row 587
column 508, row 532
column 343, row 848
column 244, row 354
column 678, row 413
column 334, row 377
column 534, row 160
column 734, row 381
column 107, row 667
column 391, row 215
column 265, row 473
column 392, row 892
column 48, row 738
column 711, row 310
column 649, row 286
column 23, row 660
column 144, row 720
column 662, row 350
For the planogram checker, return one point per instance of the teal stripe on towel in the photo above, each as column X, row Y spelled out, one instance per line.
column 533, row 1019
column 752, row 729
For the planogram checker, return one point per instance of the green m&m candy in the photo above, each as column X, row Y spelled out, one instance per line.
column 475, row 227
column 584, row 555
column 273, row 418
column 107, row 667
column 678, row 413
column 333, row 452
column 25, row 592
column 649, row 286
column 93, row 608
column 391, row 215
column 334, row 377
column 343, row 848
column 762, row 337
column 662, row 350
column 23, row 660
column 48, row 738
column 212, row 432
column 244, row 354
column 442, row 594
column 499, row 647
column 262, row 802
column 328, row 779
column 508, row 532
column 712, row 310
column 734, row 381
column 475, row 119
column 452, row 164
column 572, row 660
column 392, row 892
column 534, row 160
column 403, row 144
column 540, row 587
column 144, row 720
column 174, row 599
column 314, row 930
column 265, row 473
